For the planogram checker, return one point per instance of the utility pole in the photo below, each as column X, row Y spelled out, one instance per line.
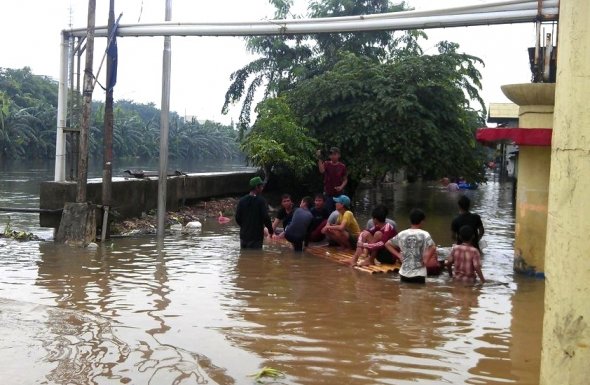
column 107, row 167
column 87, row 108
column 164, row 125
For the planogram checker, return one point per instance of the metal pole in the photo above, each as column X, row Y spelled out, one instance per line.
column 69, row 162
column 107, row 167
column 164, row 123
column 85, row 127
column 62, row 112
column 76, row 135
column 441, row 18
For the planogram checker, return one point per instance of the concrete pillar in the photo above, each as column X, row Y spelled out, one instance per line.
column 566, row 325
column 535, row 103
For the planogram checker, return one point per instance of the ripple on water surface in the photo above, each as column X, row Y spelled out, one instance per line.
column 197, row 309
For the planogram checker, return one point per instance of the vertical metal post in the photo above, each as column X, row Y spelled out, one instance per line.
column 107, row 167
column 62, row 111
column 81, row 47
column 71, row 111
column 88, row 88
column 164, row 125
column 547, row 59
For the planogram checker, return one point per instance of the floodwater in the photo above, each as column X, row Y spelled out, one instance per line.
column 197, row 310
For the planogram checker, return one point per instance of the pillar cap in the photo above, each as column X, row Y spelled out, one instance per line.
column 530, row 94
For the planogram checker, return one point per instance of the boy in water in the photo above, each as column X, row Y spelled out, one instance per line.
column 466, row 258
column 414, row 247
column 346, row 230
column 371, row 242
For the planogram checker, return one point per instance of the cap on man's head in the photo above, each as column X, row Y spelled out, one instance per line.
column 256, row 181
column 343, row 199
column 334, row 150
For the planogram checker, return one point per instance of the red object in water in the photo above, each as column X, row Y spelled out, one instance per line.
column 520, row 136
column 221, row 219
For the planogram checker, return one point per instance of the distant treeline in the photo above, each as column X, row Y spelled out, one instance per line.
column 28, row 107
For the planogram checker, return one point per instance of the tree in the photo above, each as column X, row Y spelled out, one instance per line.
column 27, row 114
column 412, row 112
column 281, row 59
column 28, row 106
column 276, row 141
column 375, row 44
column 286, row 59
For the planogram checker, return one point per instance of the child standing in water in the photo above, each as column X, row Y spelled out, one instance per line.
column 466, row 258
column 414, row 247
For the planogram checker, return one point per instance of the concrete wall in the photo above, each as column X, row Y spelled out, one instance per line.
column 535, row 101
column 132, row 197
column 534, row 163
column 566, row 326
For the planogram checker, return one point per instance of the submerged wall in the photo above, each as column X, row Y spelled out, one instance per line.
column 132, row 197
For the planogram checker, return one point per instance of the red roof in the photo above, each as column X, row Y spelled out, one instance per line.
column 520, row 136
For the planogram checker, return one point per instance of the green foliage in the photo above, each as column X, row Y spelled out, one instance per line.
column 411, row 112
column 136, row 133
column 374, row 44
column 28, row 107
column 282, row 58
column 276, row 141
column 373, row 94
column 286, row 59
column 27, row 114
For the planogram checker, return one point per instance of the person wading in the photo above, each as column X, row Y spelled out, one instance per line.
column 252, row 216
column 466, row 218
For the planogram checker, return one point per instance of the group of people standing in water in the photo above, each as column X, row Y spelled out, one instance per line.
column 327, row 217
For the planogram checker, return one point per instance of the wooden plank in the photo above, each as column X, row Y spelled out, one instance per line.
column 344, row 257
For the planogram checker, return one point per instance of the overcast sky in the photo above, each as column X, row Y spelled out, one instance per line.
column 201, row 66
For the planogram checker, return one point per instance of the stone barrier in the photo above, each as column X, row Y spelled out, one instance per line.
column 131, row 196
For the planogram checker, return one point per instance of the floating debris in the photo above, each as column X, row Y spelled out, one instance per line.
column 17, row 235
column 267, row 372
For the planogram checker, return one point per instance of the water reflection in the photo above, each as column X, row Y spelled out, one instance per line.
column 128, row 278
column 198, row 310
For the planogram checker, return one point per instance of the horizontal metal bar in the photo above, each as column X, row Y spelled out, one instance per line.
column 390, row 21
column 30, row 210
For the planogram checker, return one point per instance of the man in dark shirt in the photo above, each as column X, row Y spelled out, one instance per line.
column 285, row 214
column 335, row 176
column 320, row 217
column 252, row 216
column 465, row 218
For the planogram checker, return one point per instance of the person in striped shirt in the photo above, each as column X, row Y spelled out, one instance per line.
column 465, row 258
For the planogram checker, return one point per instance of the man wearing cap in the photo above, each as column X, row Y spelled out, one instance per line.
column 335, row 175
column 252, row 216
column 346, row 231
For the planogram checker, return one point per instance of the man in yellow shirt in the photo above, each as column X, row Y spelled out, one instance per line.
column 346, row 230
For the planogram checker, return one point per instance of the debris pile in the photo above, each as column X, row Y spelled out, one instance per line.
column 147, row 224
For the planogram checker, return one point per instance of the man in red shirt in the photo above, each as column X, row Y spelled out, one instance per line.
column 335, row 175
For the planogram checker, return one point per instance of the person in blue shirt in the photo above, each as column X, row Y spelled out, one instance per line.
column 296, row 232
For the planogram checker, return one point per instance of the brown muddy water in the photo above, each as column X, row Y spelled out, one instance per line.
column 197, row 310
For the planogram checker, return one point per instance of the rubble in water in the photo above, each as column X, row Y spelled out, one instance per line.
column 199, row 212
